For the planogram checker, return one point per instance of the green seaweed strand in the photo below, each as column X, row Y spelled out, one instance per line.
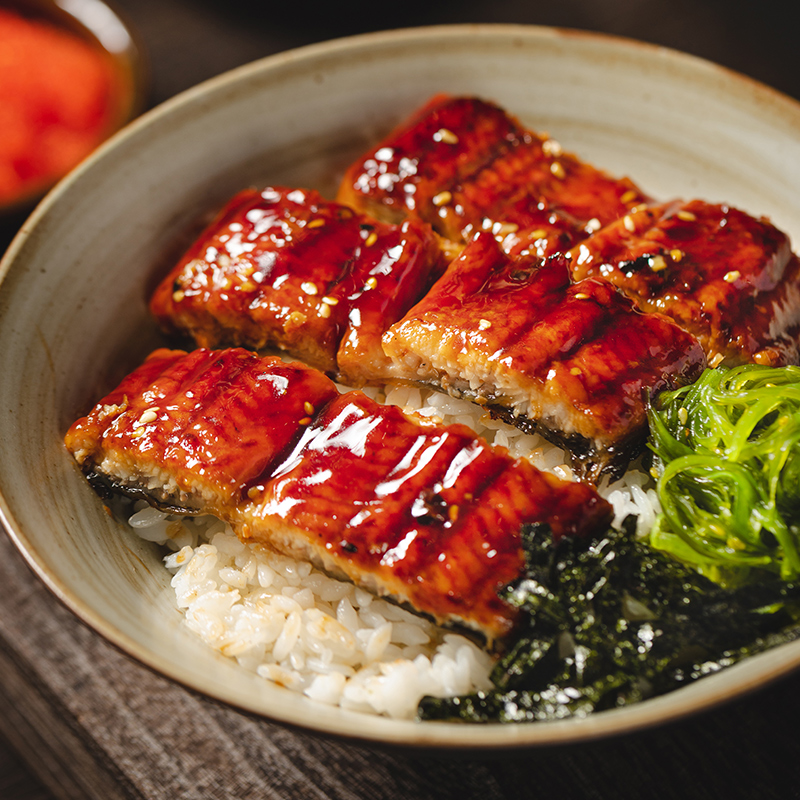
column 728, row 466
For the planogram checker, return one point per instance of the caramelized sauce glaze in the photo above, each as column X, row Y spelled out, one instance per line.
column 463, row 165
column 727, row 277
column 573, row 357
column 425, row 512
column 283, row 267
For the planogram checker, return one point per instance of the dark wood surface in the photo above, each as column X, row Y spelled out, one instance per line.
column 80, row 720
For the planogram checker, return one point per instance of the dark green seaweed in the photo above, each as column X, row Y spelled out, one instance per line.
column 611, row 621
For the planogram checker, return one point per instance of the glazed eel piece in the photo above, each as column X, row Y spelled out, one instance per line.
column 285, row 268
column 727, row 277
column 463, row 164
column 573, row 360
column 426, row 513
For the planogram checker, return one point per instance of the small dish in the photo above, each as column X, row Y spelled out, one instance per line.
column 75, row 75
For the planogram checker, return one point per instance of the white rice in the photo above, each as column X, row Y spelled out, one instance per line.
column 328, row 639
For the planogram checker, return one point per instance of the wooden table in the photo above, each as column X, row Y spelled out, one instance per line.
column 80, row 720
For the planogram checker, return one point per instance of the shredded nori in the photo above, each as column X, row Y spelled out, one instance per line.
column 611, row 621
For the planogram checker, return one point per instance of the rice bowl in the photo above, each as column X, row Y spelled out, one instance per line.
column 72, row 315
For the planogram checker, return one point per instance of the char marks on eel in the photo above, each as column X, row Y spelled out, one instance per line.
column 426, row 513
column 728, row 278
column 288, row 269
column 573, row 360
column 462, row 165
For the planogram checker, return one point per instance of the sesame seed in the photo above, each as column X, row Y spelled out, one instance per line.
column 630, row 195
column 331, row 301
column 324, row 310
column 504, row 228
column 305, row 421
column 371, row 282
column 686, row 216
column 316, row 223
column 452, row 513
column 111, row 408
column 294, row 320
column 539, row 233
column 575, row 371
column 484, row 325
column 551, row 147
column 371, row 239
column 716, row 359
column 683, row 415
column 558, row 170
column 675, row 254
column 581, row 296
column 253, row 492
column 657, row 263
column 732, row 276
column 446, row 136
column 308, row 287
column 308, row 408
column 629, row 224
column 442, row 199
column 149, row 415
column 735, row 543
column 593, row 225
column 178, row 296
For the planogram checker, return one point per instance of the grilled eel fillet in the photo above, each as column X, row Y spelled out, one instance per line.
column 273, row 270
column 426, row 513
column 572, row 360
column 288, row 269
column 728, row 278
column 462, row 165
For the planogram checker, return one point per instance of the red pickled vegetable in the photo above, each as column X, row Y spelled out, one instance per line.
column 56, row 103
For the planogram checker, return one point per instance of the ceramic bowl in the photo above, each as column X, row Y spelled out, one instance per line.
column 105, row 29
column 72, row 298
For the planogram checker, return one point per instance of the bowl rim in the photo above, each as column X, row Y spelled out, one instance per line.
column 442, row 735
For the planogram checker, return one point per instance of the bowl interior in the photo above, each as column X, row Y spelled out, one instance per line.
column 72, row 300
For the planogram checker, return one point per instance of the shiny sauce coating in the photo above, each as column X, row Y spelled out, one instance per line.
column 728, row 278
column 286, row 268
column 518, row 333
column 463, row 165
column 424, row 512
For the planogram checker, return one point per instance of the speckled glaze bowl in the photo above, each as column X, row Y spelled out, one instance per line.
column 74, row 283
